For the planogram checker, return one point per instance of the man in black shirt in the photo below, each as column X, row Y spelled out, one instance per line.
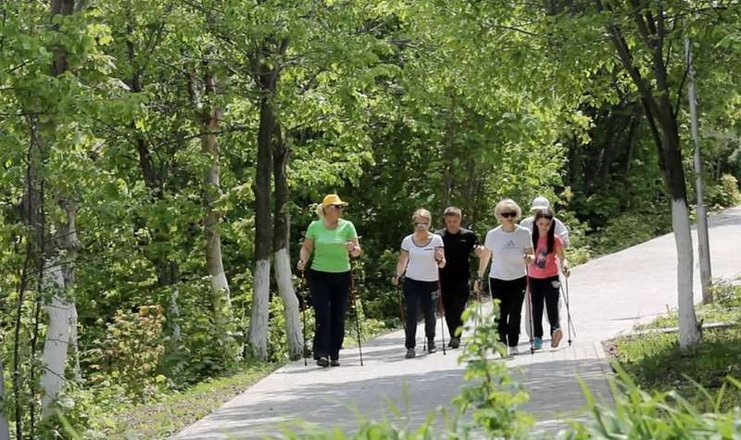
column 459, row 245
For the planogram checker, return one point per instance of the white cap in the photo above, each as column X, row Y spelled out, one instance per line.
column 540, row 203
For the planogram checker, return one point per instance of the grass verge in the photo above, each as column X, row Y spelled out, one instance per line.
column 176, row 411
column 656, row 363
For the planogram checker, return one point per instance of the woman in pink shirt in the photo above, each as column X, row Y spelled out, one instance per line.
column 543, row 276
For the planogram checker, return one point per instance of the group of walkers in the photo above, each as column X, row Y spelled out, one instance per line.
column 435, row 266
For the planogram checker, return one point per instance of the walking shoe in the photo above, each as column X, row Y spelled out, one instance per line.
column 538, row 343
column 431, row 346
column 514, row 351
column 454, row 342
column 323, row 362
column 411, row 352
column 556, row 337
column 334, row 363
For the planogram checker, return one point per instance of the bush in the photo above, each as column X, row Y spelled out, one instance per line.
column 724, row 194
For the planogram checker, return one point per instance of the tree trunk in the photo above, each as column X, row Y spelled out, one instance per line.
column 281, row 258
column 168, row 272
column 4, row 426
column 261, row 290
column 61, row 274
column 62, row 311
column 689, row 331
column 211, row 114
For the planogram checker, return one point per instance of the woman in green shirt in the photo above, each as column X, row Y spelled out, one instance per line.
column 330, row 241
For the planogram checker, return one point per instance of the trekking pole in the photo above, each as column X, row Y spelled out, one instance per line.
column 302, row 300
column 569, row 321
column 478, row 315
column 529, row 294
column 355, row 302
column 442, row 313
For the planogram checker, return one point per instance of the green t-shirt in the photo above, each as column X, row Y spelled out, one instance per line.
column 330, row 252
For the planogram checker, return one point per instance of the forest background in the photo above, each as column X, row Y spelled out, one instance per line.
column 161, row 159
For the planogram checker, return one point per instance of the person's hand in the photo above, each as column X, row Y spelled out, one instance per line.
column 395, row 280
column 528, row 258
column 565, row 269
column 440, row 258
column 477, row 285
column 300, row 265
column 478, row 251
column 350, row 245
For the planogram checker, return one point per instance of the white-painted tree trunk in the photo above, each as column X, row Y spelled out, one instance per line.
column 283, row 277
column 260, row 309
column 4, row 427
column 73, row 341
column 56, row 346
column 174, row 314
column 689, row 333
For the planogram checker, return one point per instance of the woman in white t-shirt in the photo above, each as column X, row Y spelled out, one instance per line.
column 512, row 250
column 421, row 257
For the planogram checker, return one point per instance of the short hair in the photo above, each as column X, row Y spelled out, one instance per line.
column 452, row 211
column 422, row 212
column 507, row 205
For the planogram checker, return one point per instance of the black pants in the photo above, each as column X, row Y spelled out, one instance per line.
column 329, row 296
column 545, row 289
column 511, row 294
column 416, row 293
column 455, row 295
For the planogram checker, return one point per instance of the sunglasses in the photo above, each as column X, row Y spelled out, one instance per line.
column 337, row 207
column 509, row 214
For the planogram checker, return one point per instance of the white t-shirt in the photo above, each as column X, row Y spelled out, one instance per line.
column 508, row 250
column 560, row 229
column 422, row 265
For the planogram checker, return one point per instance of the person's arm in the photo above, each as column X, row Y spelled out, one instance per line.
column 401, row 266
column 484, row 256
column 306, row 249
column 562, row 258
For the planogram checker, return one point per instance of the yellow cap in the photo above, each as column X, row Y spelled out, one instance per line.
column 333, row 199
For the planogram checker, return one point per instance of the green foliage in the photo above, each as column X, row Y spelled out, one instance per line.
column 491, row 395
column 638, row 414
column 725, row 193
column 655, row 362
column 131, row 351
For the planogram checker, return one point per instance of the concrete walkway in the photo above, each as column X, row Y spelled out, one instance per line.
column 608, row 296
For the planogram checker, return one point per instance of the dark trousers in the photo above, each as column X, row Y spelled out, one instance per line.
column 545, row 289
column 329, row 296
column 416, row 293
column 511, row 294
column 455, row 294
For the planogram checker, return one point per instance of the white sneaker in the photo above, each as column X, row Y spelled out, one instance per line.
column 513, row 351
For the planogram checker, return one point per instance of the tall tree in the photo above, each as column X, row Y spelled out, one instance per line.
column 61, row 272
column 210, row 113
column 281, row 255
column 266, row 74
column 652, row 24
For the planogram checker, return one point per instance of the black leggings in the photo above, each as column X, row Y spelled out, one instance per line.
column 545, row 289
column 511, row 294
column 416, row 292
column 455, row 295
column 329, row 296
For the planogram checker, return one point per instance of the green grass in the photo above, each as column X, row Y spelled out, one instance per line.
column 656, row 363
column 176, row 411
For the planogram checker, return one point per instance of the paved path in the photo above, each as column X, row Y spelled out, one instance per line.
column 608, row 296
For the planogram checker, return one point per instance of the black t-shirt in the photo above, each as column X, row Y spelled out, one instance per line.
column 458, row 249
